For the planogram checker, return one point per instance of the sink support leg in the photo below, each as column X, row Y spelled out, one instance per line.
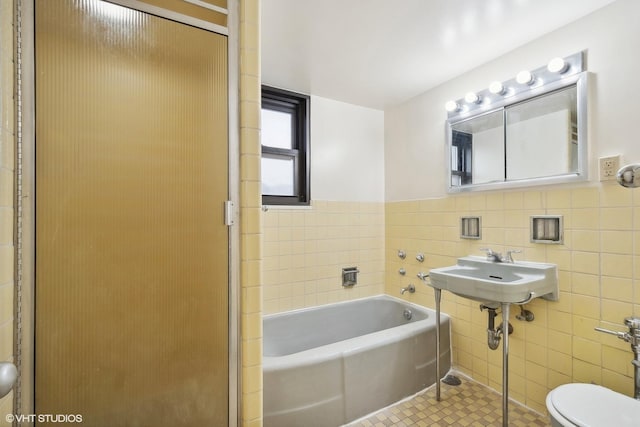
column 505, row 364
column 438, row 293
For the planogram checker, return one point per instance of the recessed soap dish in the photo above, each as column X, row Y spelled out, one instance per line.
column 471, row 227
column 350, row 276
column 547, row 229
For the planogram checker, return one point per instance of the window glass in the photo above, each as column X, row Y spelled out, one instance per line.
column 276, row 129
column 278, row 176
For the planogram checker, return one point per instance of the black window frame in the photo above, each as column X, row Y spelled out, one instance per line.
column 298, row 105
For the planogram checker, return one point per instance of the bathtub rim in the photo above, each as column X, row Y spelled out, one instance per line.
column 377, row 296
column 356, row 344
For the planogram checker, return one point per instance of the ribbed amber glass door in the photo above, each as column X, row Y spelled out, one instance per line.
column 131, row 247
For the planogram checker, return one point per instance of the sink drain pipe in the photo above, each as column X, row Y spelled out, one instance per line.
column 493, row 334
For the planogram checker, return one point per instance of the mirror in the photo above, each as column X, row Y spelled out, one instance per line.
column 530, row 138
column 541, row 136
column 478, row 149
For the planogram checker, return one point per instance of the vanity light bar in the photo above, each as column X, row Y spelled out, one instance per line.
column 526, row 80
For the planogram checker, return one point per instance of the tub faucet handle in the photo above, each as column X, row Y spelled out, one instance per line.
column 422, row 275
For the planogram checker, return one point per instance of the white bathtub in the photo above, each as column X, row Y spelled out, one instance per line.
column 329, row 365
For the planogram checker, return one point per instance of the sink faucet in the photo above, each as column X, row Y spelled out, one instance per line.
column 491, row 255
column 497, row 256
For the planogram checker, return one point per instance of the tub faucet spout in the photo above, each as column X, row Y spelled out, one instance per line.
column 409, row 288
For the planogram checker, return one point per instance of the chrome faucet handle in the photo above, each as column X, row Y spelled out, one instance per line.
column 508, row 257
column 422, row 275
column 492, row 255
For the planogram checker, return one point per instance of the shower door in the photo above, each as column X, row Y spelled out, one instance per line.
column 131, row 293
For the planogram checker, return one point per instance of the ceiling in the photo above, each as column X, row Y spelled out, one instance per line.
column 378, row 53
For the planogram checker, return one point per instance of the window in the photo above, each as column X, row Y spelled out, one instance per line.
column 285, row 147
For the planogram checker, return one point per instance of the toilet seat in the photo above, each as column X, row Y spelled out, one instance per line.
column 590, row 405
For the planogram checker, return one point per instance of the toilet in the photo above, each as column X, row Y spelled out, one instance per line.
column 590, row 405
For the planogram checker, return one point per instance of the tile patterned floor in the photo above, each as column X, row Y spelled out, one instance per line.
column 469, row 404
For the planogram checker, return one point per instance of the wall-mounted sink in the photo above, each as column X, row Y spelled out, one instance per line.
column 500, row 282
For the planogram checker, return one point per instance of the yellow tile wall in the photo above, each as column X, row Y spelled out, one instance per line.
column 306, row 249
column 250, row 216
column 6, row 194
column 599, row 279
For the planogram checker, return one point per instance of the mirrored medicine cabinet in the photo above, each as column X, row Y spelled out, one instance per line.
column 534, row 134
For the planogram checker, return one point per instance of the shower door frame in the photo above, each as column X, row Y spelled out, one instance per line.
column 24, row 347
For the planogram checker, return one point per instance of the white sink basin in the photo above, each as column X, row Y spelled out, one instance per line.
column 487, row 281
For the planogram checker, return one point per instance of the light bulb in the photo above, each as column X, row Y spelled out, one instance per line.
column 472, row 98
column 451, row 106
column 525, row 77
column 496, row 88
column 558, row 65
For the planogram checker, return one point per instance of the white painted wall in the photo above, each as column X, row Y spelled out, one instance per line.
column 347, row 152
column 414, row 130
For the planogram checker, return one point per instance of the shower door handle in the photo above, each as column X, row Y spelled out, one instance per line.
column 8, row 377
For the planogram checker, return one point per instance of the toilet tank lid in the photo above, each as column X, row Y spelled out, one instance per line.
column 593, row 405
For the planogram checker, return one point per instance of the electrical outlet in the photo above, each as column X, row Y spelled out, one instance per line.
column 609, row 167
